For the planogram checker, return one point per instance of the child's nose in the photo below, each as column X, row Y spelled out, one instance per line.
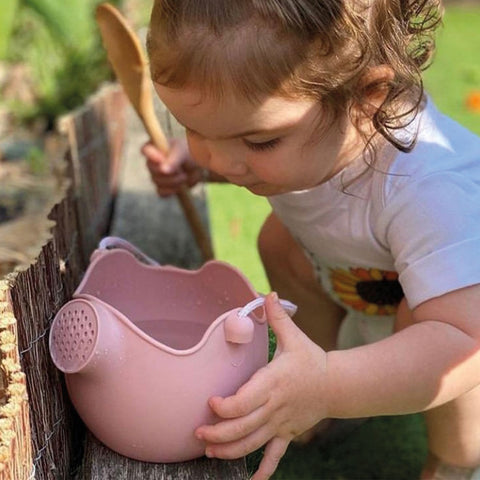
column 218, row 158
column 224, row 162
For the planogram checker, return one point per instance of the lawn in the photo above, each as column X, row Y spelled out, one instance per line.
column 390, row 448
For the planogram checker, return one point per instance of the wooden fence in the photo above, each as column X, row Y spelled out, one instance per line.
column 40, row 436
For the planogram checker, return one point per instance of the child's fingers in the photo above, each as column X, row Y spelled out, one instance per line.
column 166, row 192
column 282, row 325
column 242, row 447
column 173, row 180
column 235, row 429
column 164, row 163
column 249, row 397
column 167, row 185
column 274, row 452
column 153, row 155
column 174, row 159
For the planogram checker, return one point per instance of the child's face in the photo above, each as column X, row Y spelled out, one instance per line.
column 268, row 148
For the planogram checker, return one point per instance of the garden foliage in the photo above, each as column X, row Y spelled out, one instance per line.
column 60, row 43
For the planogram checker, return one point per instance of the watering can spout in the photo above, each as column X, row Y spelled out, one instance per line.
column 78, row 341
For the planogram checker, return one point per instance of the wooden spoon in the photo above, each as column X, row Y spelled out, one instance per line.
column 131, row 68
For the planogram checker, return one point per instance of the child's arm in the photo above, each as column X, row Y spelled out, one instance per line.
column 427, row 364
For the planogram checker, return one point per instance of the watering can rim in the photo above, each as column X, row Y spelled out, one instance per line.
column 160, row 345
column 99, row 256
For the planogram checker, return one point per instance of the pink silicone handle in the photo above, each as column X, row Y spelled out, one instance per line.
column 109, row 243
column 239, row 327
column 290, row 307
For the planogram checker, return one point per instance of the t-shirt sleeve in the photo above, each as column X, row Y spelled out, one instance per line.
column 432, row 228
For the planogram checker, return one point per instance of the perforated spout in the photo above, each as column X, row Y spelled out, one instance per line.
column 73, row 336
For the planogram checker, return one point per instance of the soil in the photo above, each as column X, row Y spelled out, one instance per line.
column 24, row 203
column 28, row 185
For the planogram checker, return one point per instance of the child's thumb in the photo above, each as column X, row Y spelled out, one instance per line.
column 280, row 322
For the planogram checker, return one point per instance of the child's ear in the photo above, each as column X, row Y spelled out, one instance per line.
column 374, row 87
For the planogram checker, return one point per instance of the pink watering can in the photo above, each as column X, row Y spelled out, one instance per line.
column 143, row 347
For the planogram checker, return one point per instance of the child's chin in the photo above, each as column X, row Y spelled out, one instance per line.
column 262, row 190
column 266, row 190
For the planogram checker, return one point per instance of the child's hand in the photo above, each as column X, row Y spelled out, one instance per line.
column 170, row 172
column 279, row 402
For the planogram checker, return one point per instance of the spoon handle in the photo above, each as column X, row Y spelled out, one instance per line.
column 158, row 138
column 128, row 60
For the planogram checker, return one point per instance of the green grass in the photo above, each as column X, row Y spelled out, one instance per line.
column 387, row 448
column 236, row 218
column 456, row 68
column 6, row 24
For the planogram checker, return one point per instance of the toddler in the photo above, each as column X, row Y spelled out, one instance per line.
column 375, row 225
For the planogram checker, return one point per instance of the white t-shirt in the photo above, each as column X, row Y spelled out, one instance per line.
column 414, row 214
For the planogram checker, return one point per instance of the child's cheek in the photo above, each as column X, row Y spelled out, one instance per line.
column 271, row 167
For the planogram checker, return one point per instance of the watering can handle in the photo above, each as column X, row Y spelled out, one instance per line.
column 239, row 327
column 290, row 307
column 109, row 243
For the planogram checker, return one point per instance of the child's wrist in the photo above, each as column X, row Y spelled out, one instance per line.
column 328, row 388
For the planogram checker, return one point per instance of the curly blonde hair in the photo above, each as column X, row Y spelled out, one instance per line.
column 319, row 49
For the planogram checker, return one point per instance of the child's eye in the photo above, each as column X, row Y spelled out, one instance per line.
column 262, row 145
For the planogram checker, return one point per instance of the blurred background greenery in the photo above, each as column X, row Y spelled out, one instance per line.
column 54, row 51
column 51, row 55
